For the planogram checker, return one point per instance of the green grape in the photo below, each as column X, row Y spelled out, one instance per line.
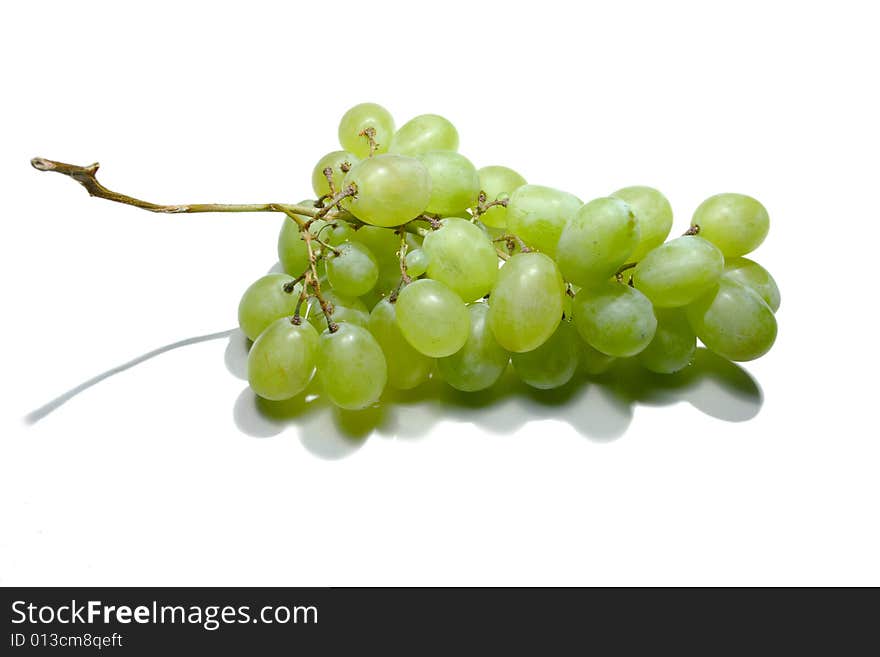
column 537, row 215
column 596, row 241
column 359, row 118
column 354, row 271
column 592, row 361
column 384, row 244
column 416, row 262
column 407, row 367
column 735, row 223
column 481, row 361
column 753, row 275
column 264, row 302
column 674, row 343
column 333, row 233
column 351, row 366
column 677, row 272
column 653, row 213
column 282, row 359
column 553, row 363
column 455, row 185
column 616, row 319
column 335, row 161
column 461, row 257
column 733, row 321
column 527, row 301
column 292, row 250
column 498, row 182
column 391, row 189
column 345, row 309
column 432, row 318
column 428, row 132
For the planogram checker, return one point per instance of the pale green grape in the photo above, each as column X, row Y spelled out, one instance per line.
column 432, row 318
column 282, row 360
column 333, row 233
column 481, row 361
column 428, row 132
column 553, row 363
column 359, row 118
column 753, row 275
column 527, row 301
column 677, row 272
column 292, row 251
column 735, row 223
column 354, row 271
column 498, row 182
column 616, row 319
column 335, row 161
column 674, row 343
column 733, row 321
column 417, row 262
column 592, row 361
column 264, row 302
column 391, row 189
column 455, row 185
column 407, row 367
column 537, row 215
column 384, row 244
column 596, row 241
column 351, row 367
column 461, row 257
column 653, row 213
column 345, row 309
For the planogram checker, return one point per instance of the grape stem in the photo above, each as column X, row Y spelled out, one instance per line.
column 693, row 230
column 370, row 133
column 328, row 174
column 512, row 241
column 482, row 206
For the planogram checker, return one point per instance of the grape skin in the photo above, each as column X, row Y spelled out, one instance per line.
column 391, row 189
column 498, row 182
column 553, row 363
column 335, row 161
column 351, row 367
column 537, row 215
column 265, row 301
column 674, row 344
column 735, row 223
column 282, row 359
column 407, row 368
column 654, row 214
column 677, row 272
column 428, row 132
column 481, row 361
column 455, row 184
column 432, row 318
column 616, row 319
column 753, row 275
column 359, row 118
column 354, row 271
column 461, row 257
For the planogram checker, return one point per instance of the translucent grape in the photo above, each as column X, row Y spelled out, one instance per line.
column 264, row 302
column 354, row 271
column 455, row 185
column 292, row 251
column 351, row 367
column 653, row 213
column 498, row 182
column 733, row 321
column 553, row 363
column 616, row 319
column 735, row 223
column 332, row 232
column 527, row 301
column 391, row 189
column 677, row 272
column 537, row 215
column 674, row 343
column 428, row 132
column 461, row 256
column 345, row 309
column 592, row 361
column 359, row 118
column 596, row 241
column 481, row 361
column 416, row 262
column 432, row 318
column 384, row 245
column 753, row 275
column 407, row 367
column 335, row 161
column 282, row 360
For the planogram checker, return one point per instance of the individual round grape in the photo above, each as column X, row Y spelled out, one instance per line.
column 455, row 185
column 428, row 132
column 333, row 233
column 292, row 250
column 461, row 257
column 654, row 214
column 481, row 361
column 345, row 309
column 677, row 272
column 616, row 319
column 527, row 301
column 359, row 118
column 553, row 363
column 537, row 215
column 354, row 271
column 498, row 182
column 735, row 223
column 416, row 262
column 407, row 367
column 592, row 361
column 282, row 360
column 351, row 366
column 753, row 275
column 264, row 302
column 733, row 321
column 674, row 343
column 596, row 241
column 335, row 160
column 391, row 189
column 432, row 318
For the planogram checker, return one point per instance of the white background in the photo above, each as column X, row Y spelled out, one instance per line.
column 169, row 473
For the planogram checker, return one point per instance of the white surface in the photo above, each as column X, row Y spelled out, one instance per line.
column 167, row 473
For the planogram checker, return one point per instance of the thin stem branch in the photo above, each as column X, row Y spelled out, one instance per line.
column 370, row 133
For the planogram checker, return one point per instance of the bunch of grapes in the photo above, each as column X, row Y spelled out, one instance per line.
column 413, row 263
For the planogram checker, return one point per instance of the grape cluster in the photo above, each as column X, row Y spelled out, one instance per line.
column 413, row 263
